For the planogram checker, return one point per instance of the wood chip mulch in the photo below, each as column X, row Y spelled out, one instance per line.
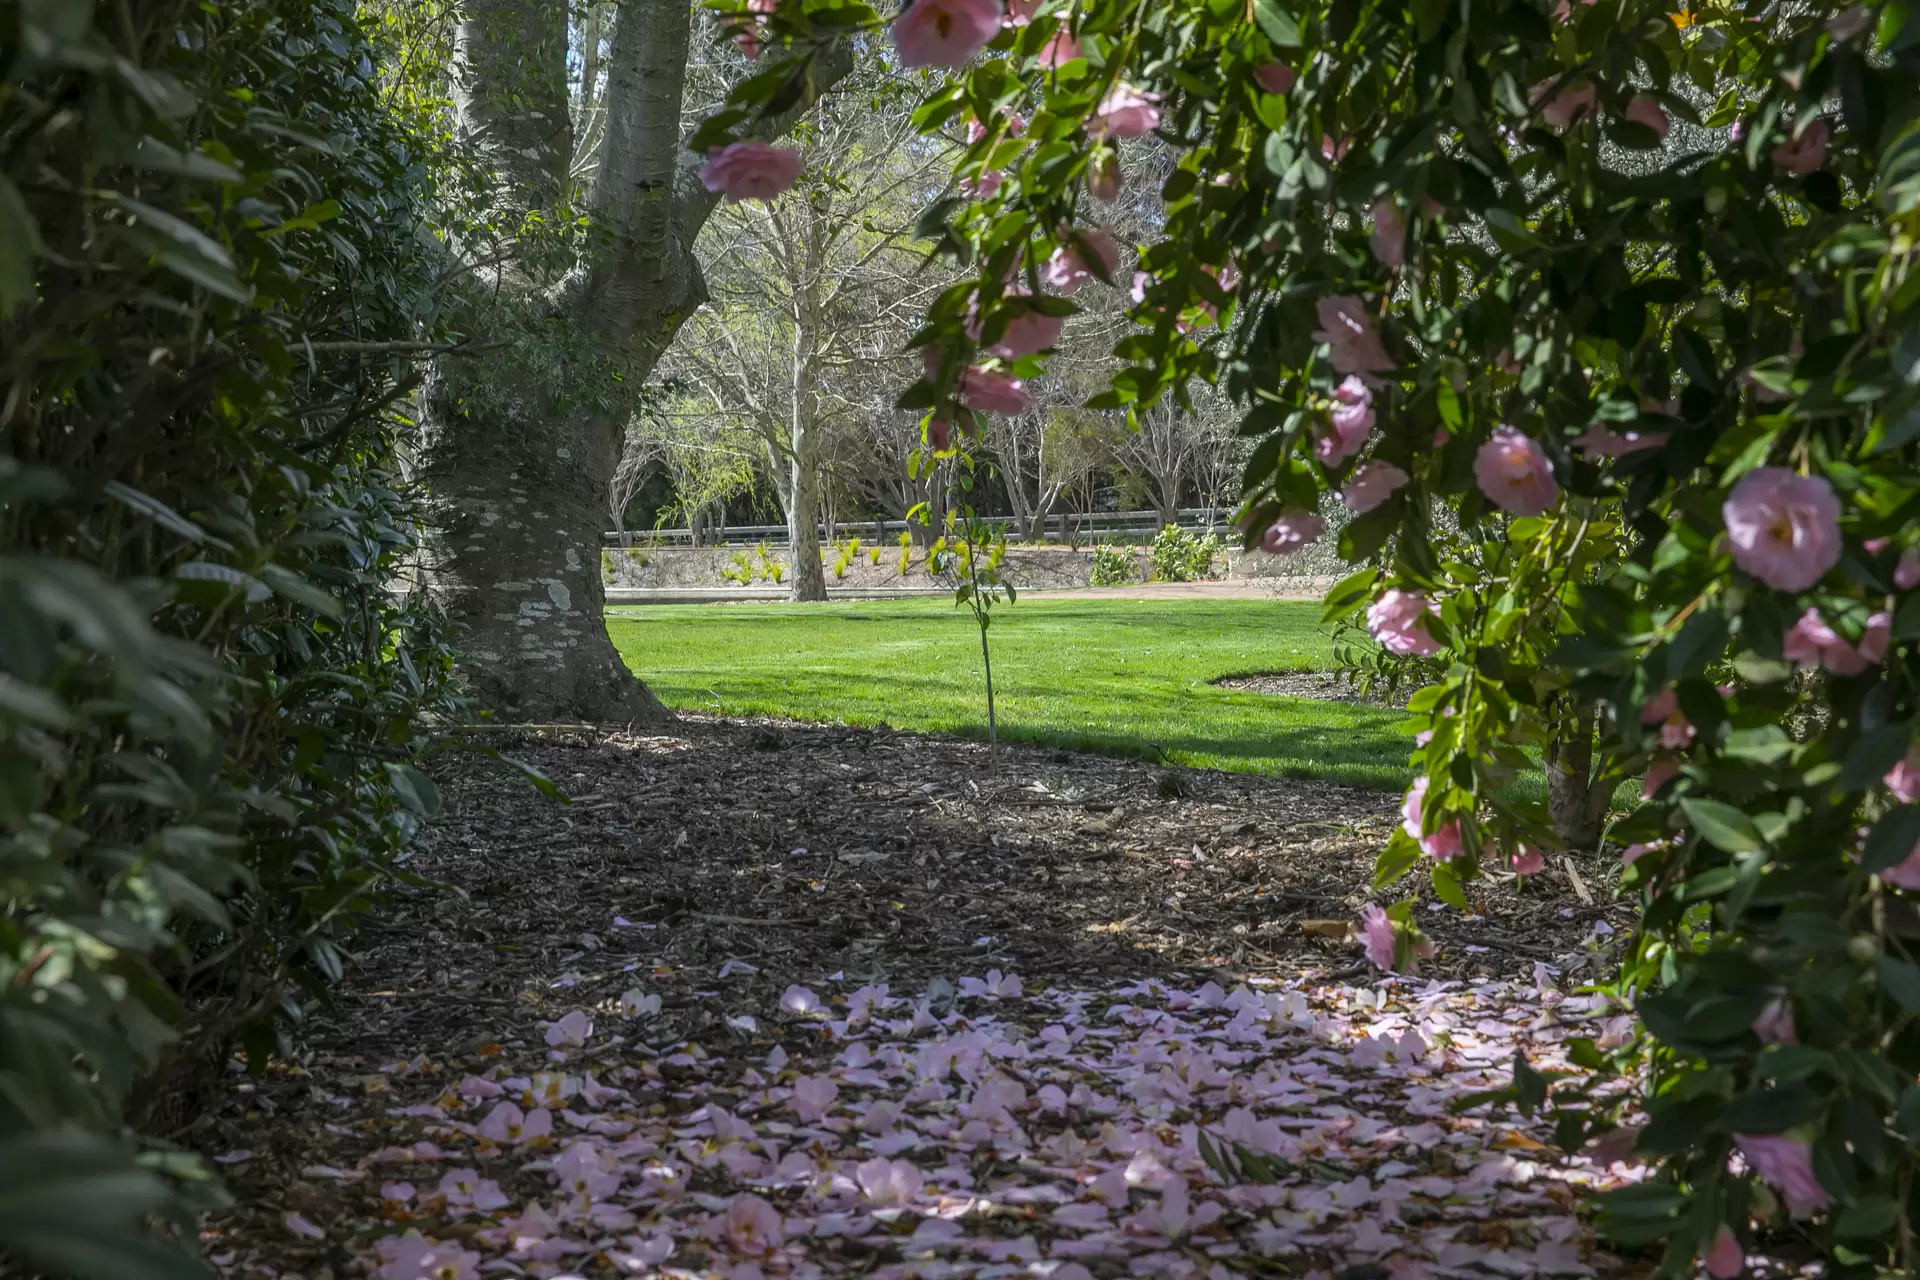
column 774, row 850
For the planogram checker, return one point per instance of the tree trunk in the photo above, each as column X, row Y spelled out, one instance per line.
column 803, row 440
column 516, row 496
column 518, row 484
column 803, row 513
column 1577, row 800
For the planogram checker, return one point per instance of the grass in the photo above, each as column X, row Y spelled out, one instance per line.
column 1125, row 677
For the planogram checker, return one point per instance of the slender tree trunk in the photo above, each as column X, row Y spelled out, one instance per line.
column 803, row 513
column 803, row 441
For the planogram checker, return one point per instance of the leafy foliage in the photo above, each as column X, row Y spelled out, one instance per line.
column 214, row 688
column 1114, row 566
column 1630, row 290
column 1181, row 555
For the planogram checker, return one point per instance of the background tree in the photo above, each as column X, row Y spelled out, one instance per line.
column 807, row 291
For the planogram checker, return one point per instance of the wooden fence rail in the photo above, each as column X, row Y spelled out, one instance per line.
column 1077, row 527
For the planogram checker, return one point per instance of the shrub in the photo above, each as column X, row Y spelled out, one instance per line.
column 1113, row 566
column 1669, row 391
column 848, row 550
column 1179, row 555
column 212, row 699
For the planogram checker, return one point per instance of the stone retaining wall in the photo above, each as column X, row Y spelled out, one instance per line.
column 702, row 567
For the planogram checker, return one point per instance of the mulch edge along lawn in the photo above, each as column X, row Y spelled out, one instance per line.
column 1121, row 677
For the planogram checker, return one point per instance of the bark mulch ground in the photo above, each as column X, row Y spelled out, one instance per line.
column 717, row 863
column 1323, row 685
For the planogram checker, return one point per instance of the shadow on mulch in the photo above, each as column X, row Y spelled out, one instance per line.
column 799, row 852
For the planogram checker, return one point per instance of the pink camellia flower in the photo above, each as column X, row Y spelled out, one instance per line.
column 1389, row 235
column 465, row 1189
column 1376, row 928
column 1787, row 1163
column 1274, row 77
column 1904, row 778
column 1560, row 106
column 1060, row 50
column 1103, row 177
column 750, row 170
column 1906, row 873
column 1804, row 150
column 1783, row 528
column 748, row 36
column 571, row 1031
column 1725, row 1259
column 1906, row 574
column 1333, row 150
column 507, row 1123
column 1020, row 12
column 944, row 33
column 1528, row 861
column 1634, row 852
column 812, row 1097
column 993, row 392
column 1350, row 419
column 1645, row 109
column 1126, row 113
column 1292, row 532
column 1353, row 345
column 889, row 1183
column 1445, row 842
column 982, row 187
column 1604, row 442
column 1398, row 622
column 1775, row 1023
column 1372, row 485
column 1027, row 333
column 1812, row 643
column 1066, row 270
column 413, row 1257
column 1514, row 473
column 1016, row 124
column 1663, row 709
column 1660, row 771
column 751, row 1225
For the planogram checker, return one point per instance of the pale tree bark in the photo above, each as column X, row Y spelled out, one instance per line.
column 803, row 444
column 519, row 477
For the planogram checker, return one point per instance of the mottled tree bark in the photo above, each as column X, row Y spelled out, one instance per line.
column 518, row 483
column 1577, row 797
column 803, row 437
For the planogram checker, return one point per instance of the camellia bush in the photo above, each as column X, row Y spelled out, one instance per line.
column 1631, row 293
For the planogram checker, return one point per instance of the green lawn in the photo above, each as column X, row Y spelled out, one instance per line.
column 1119, row 676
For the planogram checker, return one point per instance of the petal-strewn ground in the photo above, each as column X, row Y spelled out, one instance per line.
column 773, row 1002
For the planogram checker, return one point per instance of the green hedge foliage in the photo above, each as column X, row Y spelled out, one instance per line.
column 214, row 685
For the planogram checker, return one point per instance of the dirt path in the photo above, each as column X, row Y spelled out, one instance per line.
column 777, row 1001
